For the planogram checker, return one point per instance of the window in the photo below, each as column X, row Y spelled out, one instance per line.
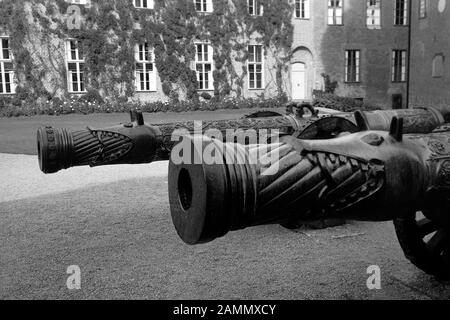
column 82, row 2
column 335, row 12
column 203, row 66
column 144, row 4
column 255, row 8
column 401, row 13
column 75, row 66
column 255, row 67
column 399, row 65
column 203, row 5
column 438, row 66
column 7, row 85
column 422, row 9
column 302, row 9
column 352, row 62
column 374, row 14
column 145, row 73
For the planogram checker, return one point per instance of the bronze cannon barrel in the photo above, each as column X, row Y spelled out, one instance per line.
column 369, row 175
column 135, row 142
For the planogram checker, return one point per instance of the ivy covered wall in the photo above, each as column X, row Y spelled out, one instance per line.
column 110, row 29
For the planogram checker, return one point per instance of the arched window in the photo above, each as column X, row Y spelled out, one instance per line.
column 438, row 66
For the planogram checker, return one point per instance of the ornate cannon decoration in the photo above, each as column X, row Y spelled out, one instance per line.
column 369, row 175
column 135, row 142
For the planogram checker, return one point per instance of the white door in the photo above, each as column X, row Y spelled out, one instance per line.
column 298, row 81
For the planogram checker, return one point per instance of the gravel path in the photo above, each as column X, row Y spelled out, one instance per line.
column 21, row 178
column 114, row 223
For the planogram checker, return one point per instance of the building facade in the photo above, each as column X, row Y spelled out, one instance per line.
column 360, row 44
column 251, row 48
column 430, row 50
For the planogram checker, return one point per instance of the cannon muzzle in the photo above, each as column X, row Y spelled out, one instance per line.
column 369, row 175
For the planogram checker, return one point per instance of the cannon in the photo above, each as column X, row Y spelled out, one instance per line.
column 134, row 142
column 369, row 175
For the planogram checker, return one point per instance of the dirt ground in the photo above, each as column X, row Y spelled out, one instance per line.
column 114, row 223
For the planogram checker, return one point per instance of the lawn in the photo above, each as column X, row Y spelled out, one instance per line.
column 18, row 135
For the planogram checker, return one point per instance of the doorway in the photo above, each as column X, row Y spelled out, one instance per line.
column 397, row 101
column 298, row 81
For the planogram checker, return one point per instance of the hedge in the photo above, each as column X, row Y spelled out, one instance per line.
column 331, row 101
column 11, row 107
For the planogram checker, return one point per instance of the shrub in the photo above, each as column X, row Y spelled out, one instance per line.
column 206, row 96
column 344, row 104
column 83, row 105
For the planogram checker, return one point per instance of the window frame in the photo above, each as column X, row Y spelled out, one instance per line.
column 306, row 9
column 357, row 66
column 405, row 13
column 334, row 8
column 201, row 79
column 204, row 3
column 3, row 72
column 148, row 58
column 79, row 71
column 380, row 10
column 255, row 5
column 78, row 2
column 403, row 76
column 150, row 4
column 423, row 12
column 348, row 66
column 255, row 64
column 434, row 73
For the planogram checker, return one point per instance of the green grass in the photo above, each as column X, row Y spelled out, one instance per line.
column 18, row 135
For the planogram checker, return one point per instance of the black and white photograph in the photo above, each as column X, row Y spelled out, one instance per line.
column 248, row 151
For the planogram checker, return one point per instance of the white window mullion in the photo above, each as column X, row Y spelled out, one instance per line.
column 153, row 72
column 211, row 59
column 78, row 76
column 2, row 74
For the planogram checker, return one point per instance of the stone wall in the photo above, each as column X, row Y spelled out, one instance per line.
column 430, row 48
